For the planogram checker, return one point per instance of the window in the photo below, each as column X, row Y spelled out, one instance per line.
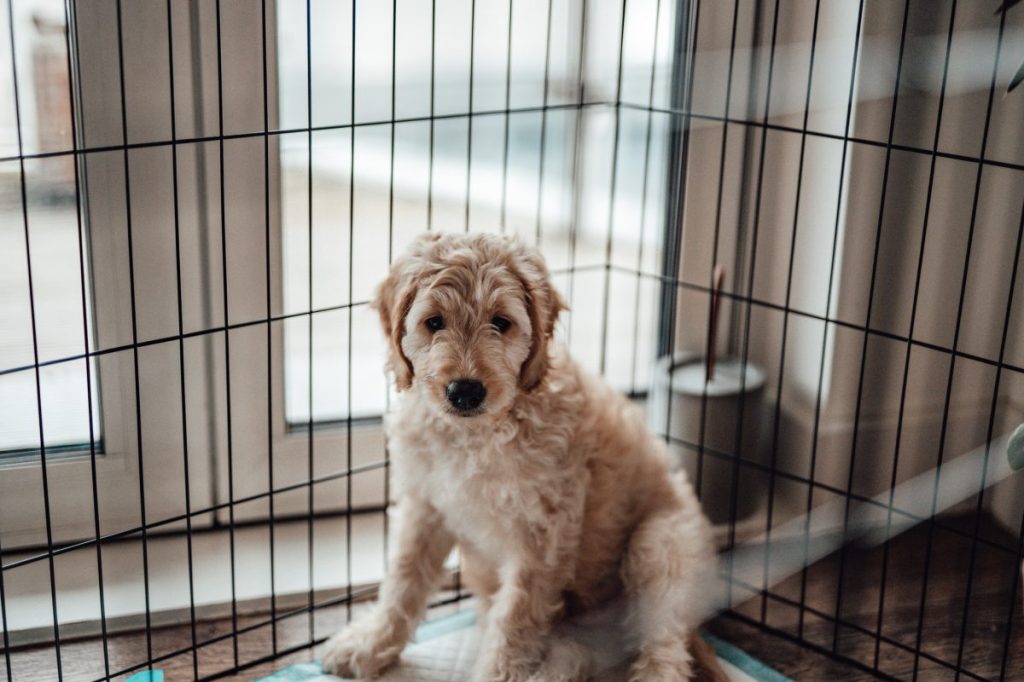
column 62, row 310
column 439, row 168
column 106, row 315
column 231, row 324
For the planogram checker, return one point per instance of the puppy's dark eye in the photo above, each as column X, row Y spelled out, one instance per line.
column 500, row 323
column 435, row 323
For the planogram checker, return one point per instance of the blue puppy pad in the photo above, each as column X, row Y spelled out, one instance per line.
column 730, row 655
column 147, row 676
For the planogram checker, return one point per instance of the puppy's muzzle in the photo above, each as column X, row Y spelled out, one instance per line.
column 465, row 395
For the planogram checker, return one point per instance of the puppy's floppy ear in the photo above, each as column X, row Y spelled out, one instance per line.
column 543, row 304
column 394, row 298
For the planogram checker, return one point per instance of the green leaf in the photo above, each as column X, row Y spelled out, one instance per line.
column 1015, row 449
column 1007, row 4
column 1017, row 78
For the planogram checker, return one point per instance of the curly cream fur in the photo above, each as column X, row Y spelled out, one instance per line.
column 557, row 495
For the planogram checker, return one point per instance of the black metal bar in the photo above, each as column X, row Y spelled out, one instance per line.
column 270, row 327
column 681, row 84
column 71, row 34
column 709, row 350
column 351, row 282
column 310, row 488
column 846, row 324
column 609, row 243
column 995, row 163
column 952, row 363
column 227, row 333
column 35, row 356
column 755, row 234
column 130, row 534
column 391, row 257
column 867, row 318
column 744, row 353
column 643, row 196
column 172, row 338
column 508, row 121
column 135, row 336
column 432, row 117
column 788, row 291
column 364, row 592
column 469, row 118
column 687, row 23
column 577, row 156
column 810, row 646
column 988, row 440
column 1012, row 604
column 543, row 128
column 469, row 178
column 824, row 487
column 149, row 144
column 6, row 627
column 785, row 317
column 910, row 331
column 181, row 357
column 782, row 599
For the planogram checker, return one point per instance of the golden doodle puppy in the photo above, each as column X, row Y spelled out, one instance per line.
column 548, row 481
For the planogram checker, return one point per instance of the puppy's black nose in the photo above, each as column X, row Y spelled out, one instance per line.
column 465, row 394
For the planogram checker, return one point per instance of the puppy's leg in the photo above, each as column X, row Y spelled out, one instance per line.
column 705, row 660
column 519, row 620
column 369, row 645
column 666, row 573
column 564, row 661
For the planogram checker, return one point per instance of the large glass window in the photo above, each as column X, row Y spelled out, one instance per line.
column 488, row 135
column 51, row 254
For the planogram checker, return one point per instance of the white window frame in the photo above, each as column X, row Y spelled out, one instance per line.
column 69, row 475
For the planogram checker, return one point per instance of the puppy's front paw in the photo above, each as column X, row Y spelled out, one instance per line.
column 503, row 673
column 672, row 665
column 504, row 666
column 565, row 661
column 361, row 651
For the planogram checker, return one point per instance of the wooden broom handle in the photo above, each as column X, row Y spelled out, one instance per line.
column 718, row 278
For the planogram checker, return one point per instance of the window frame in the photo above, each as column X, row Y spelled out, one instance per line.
column 111, row 465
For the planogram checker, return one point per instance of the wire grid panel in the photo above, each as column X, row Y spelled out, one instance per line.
column 208, row 214
column 195, row 219
column 884, row 320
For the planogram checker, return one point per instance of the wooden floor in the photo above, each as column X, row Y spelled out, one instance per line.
column 995, row 571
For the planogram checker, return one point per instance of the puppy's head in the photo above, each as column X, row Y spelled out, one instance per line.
column 468, row 319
